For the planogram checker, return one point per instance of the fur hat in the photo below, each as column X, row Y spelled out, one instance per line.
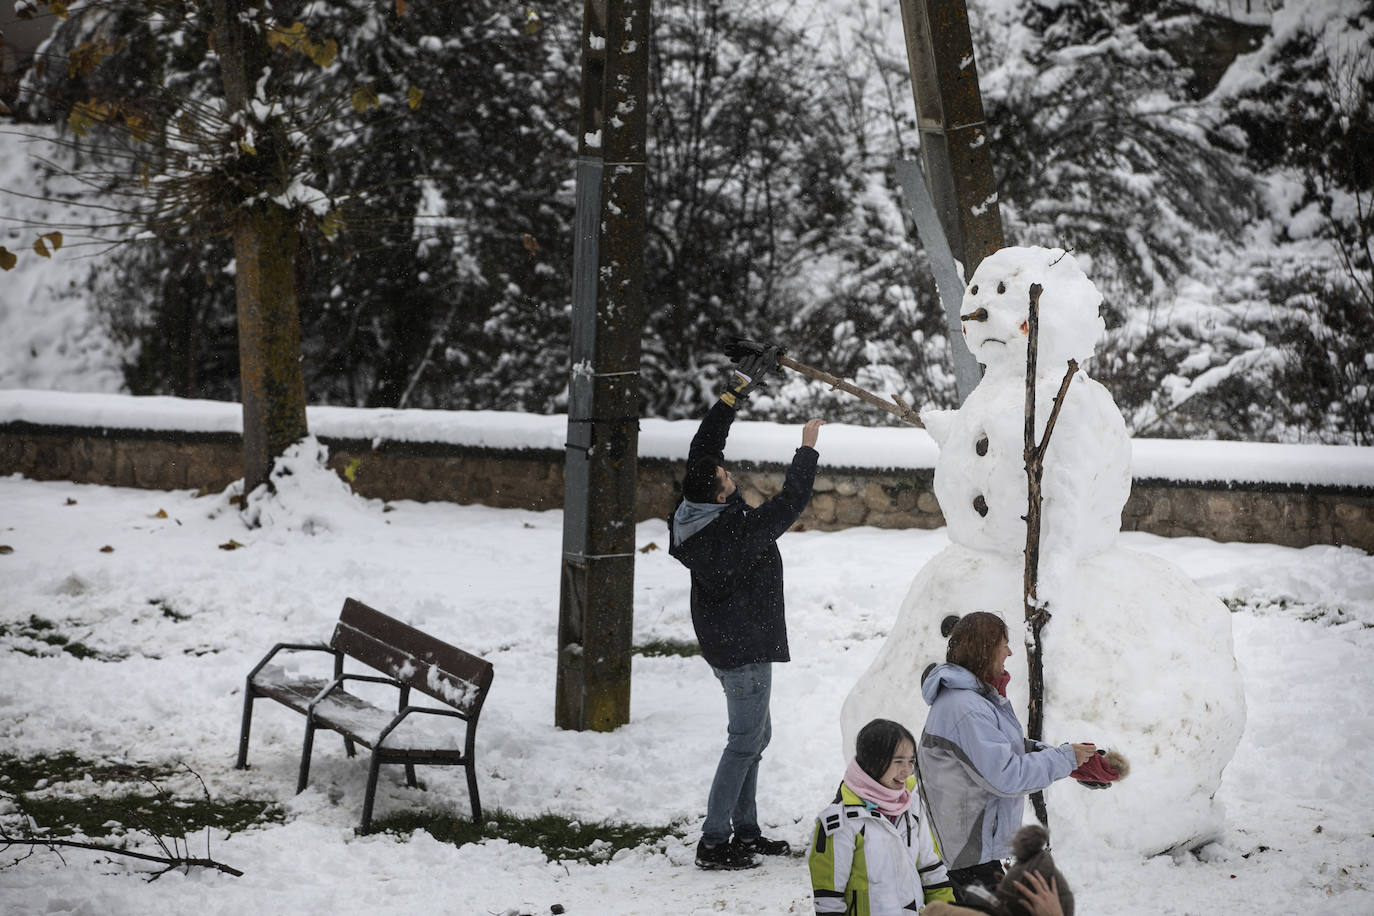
column 1030, row 848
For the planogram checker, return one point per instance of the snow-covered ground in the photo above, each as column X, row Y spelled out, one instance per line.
column 1299, row 836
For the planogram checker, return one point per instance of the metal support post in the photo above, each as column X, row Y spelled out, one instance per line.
column 921, row 207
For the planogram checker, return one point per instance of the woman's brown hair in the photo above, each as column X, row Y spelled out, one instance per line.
column 972, row 643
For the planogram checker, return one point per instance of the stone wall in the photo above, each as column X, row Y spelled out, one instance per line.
column 533, row 479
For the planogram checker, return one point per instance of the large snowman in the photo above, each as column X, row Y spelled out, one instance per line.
column 1137, row 658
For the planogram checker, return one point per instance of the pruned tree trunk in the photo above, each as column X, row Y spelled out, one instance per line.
column 271, row 379
column 1037, row 612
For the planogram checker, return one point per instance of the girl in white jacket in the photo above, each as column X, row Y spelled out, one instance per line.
column 873, row 853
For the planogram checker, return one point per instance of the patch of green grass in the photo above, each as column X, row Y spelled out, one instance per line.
column 556, row 836
column 24, row 774
column 45, row 631
column 167, row 610
column 662, row 647
column 36, row 783
column 1310, row 613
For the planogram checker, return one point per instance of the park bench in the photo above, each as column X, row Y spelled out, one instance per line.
column 407, row 660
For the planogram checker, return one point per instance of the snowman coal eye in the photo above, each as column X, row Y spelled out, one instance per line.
column 973, row 290
column 1001, row 287
column 981, row 446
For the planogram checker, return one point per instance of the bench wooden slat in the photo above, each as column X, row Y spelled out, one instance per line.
column 413, row 657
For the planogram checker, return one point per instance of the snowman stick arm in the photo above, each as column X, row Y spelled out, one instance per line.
column 901, row 410
column 1054, row 413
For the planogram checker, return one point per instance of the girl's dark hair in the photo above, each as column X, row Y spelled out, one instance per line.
column 877, row 743
column 972, row 642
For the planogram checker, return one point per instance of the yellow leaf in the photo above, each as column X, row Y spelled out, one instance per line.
column 323, row 55
column 6, row 549
column 86, row 56
column 532, row 22
column 41, row 249
column 107, row 549
column 58, row 8
column 248, row 148
column 84, row 114
column 79, row 122
column 364, row 97
column 161, row 513
column 351, row 470
column 140, row 128
column 413, row 97
column 54, row 239
column 331, row 224
column 230, row 544
column 400, row 8
column 7, row 259
column 290, row 37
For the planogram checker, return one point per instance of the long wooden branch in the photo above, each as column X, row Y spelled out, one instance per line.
column 1036, row 613
column 897, row 407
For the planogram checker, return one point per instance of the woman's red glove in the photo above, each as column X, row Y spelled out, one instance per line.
column 1096, row 772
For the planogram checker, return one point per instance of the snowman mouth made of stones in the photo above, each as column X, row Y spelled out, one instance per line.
column 996, row 307
column 999, row 318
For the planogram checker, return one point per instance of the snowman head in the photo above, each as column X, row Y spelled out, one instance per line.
column 996, row 310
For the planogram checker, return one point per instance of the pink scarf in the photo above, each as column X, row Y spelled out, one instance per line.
column 891, row 802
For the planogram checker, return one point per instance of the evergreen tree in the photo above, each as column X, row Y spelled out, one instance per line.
column 749, row 183
column 1100, row 150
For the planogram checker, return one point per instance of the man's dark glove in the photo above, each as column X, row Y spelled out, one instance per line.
column 751, row 370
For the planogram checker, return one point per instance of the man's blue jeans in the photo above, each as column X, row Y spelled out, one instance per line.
column 731, row 803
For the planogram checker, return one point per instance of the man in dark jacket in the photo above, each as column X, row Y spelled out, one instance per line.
column 737, row 608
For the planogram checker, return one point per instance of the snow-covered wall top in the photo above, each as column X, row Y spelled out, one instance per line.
column 840, row 445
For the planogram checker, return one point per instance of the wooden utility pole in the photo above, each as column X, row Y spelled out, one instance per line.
column 271, row 381
column 596, row 599
column 954, row 178
column 954, row 139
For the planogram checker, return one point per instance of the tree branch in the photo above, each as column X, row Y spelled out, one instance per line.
column 897, row 407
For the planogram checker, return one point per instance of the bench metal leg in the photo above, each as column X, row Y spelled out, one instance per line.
column 472, row 793
column 348, row 747
column 305, row 756
column 371, row 794
column 248, row 698
column 410, row 775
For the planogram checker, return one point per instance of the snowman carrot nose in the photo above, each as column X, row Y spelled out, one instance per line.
column 975, row 315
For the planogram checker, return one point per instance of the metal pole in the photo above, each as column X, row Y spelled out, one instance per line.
column 596, row 597
column 916, row 191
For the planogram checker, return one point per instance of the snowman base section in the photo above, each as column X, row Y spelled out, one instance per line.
column 1137, row 659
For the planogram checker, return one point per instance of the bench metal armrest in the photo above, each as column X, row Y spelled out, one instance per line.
column 338, row 682
column 293, row 646
column 429, row 710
